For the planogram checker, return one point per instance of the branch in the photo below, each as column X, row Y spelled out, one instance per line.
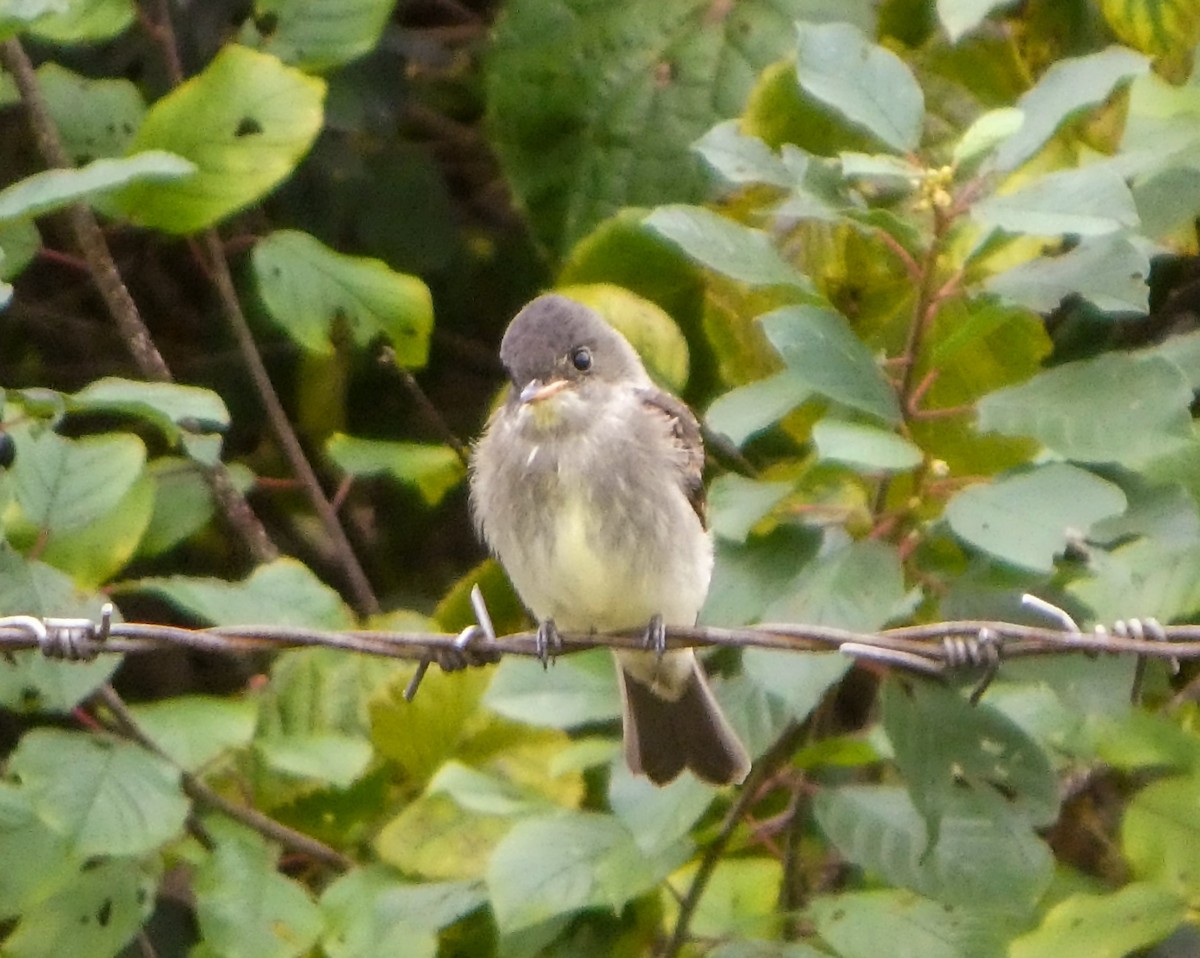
column 200, row 793
column 121, row 307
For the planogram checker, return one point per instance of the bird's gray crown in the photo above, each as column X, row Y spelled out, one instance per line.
column 542, row 339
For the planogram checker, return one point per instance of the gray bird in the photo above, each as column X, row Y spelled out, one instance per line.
column 586, row 484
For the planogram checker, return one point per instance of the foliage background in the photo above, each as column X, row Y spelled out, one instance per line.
column 932, row 268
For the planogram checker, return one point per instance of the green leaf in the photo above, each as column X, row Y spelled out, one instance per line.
column 183, row 505
column 726, row 246
column 317, row 295
column 435, row 838
column 30, row 681
column 316, row 35
column 280, row 593
column 1082, row 410
column 559, row 864
column 36, row 859
column 737, row 504
column 171, row 407
column 86, row 21
column 19, row 244
column 419, row 736
column 579, row 690
column 1104, row 926
column 244, row 907
column 1160, row 28
column 864, row 448
column 1029, row 517
column 987, row 132
column 318, row 692
column 859, row 587
column 1142, row 579
column 748, row 577
column 19, row 14
column 1109, row 272
column 946, row 748
column 484, row 794
column 594, row 107
column 94, row 553
column 47, row 191
column 107, row 797
column 979, row 856
column 1089, row 201
column 64, row 484
column 432, row 470
column 868, row 84
column 748, row 410
column 658, row 816
column 245, row 122
column 798, row 681
column 856, row 924
column 339, row 760
column 741, row 894
column 94, row 916
column 371, row 911
column 195, row 729
column 740, row 159
column 821, row 350
column 1064, row 91
column 1160, row 834
column 95, row 118
column 960, row 17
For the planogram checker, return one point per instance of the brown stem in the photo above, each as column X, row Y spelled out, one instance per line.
column 762, row 771
column 425, row 404
column 289, row 838
column 285, row 435
column 116, row 296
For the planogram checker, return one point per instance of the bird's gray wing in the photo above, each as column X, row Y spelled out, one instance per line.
column 685, row 431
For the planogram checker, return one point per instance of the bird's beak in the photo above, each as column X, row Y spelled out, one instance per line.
column 536, row 391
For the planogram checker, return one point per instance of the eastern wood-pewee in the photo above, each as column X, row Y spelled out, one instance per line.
column 587, row 486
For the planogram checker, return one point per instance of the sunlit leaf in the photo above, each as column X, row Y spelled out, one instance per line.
column 244, row 122
column 106, row 797
column 431, row 470
column 1110, row 272
column 1029, row 517
column 317, row 294
column 869, row 84
column 979, row 855
column 1104, row 926
column 739, row 252
column 1114, row 408
column 319, row 34
column 51, row 189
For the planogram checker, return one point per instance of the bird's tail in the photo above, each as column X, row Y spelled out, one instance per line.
column 664, row 735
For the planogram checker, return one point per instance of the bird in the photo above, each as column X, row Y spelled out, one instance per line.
column 586, row 484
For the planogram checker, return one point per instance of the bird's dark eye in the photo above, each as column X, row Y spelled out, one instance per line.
column 581, row 359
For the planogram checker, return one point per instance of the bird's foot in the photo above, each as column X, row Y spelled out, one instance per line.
column 548, row 643
column 655, row 639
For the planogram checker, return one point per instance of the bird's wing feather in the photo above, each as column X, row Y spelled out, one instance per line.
column 685, row 431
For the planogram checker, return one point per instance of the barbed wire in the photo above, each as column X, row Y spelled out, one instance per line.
column 934, row 649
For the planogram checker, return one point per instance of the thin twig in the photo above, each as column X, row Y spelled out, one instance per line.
column 288, row 838
column 116, row 296
column 762, row 771
column 431, row 412
column 281, row 426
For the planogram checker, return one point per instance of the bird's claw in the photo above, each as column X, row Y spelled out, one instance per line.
column 548, row 643
column 655, row 639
